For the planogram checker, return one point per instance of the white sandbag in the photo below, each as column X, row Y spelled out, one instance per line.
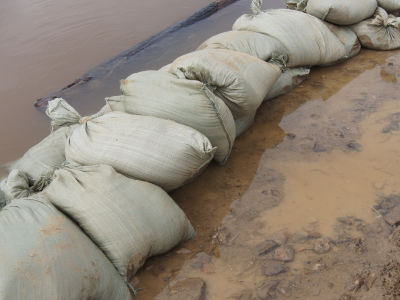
column 244, row 123
column 187, row 102
column 389, row 5
column 341, row 12
column 129, row 220
column 348, row 38
column 289, row 79
column 253, row 43
column 381, row 32
column 239, row 79
column 46, row 256
column 45, row 157
column 307, row 39
column 146, row 148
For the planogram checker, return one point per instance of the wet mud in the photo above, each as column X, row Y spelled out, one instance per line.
column 305, row 207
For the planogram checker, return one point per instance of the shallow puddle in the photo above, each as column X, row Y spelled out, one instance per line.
column 326, row 150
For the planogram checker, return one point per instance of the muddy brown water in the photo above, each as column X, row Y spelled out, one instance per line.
column 343, row 158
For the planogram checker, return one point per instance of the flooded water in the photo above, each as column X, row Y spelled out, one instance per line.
column 318, row 162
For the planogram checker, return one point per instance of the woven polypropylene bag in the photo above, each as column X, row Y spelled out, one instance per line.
column 381, row 32
column 341, row 12
column 389, row 5
column 306, row 38
column 46, row 156
column 129, row 220
column 239, row 79
column 159, row 151
column 348, row 38
column 243, row 124
column 16, row 186
column 287, row 82
column 253, row 43
column 187, row 102
column 44, row 255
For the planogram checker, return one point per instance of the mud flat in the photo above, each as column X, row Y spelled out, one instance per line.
column 305, row 207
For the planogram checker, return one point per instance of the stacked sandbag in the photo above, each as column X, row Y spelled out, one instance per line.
column 187, row 102
column 389, row 5
column 348, row 38
column 306, row 38
column 129, row 220
column 289, row 79
column 341, row 12
column 381, row 32
column 239, row 79
column 244, row 123
column 252, row 43
column 159, row 151
column 45, row 157
column 44, row 255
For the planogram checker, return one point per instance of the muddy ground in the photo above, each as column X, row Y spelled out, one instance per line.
column 265, row 232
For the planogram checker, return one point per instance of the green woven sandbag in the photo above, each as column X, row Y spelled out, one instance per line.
column 129, row 220
column 287, row 82
column 159, row 151
column 243, row 124
column 341, row 12
column 46, row 156
column 187, row 102
column 389, row 5
column 44, row 255
column 381, row 32
column 239, row 79
column 253, row 43
column 306, row 38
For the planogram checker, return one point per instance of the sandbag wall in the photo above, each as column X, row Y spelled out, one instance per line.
column 96, row 188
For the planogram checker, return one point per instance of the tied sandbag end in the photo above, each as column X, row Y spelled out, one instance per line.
column 278, row 60
column 299, row 5
column 256, row 6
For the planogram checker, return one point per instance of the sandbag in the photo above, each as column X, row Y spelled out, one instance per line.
column 165, row 68
column 244, row 123
column 129, row 220
column 381, row 32
column 307, row 39
column 341, row 12
column 348, row 38
column 389, row 5
column 146, row 148
column 289, row 79
column 253, row 43
column 239, row 79
column 44, row 157
column 16, row 185
column 44, row 255
column 186, row 102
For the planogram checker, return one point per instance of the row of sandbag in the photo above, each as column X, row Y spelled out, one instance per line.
column 374, row 21
column 210, row 91
column 91, row 223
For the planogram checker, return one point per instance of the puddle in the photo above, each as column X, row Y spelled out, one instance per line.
column 326, row 150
